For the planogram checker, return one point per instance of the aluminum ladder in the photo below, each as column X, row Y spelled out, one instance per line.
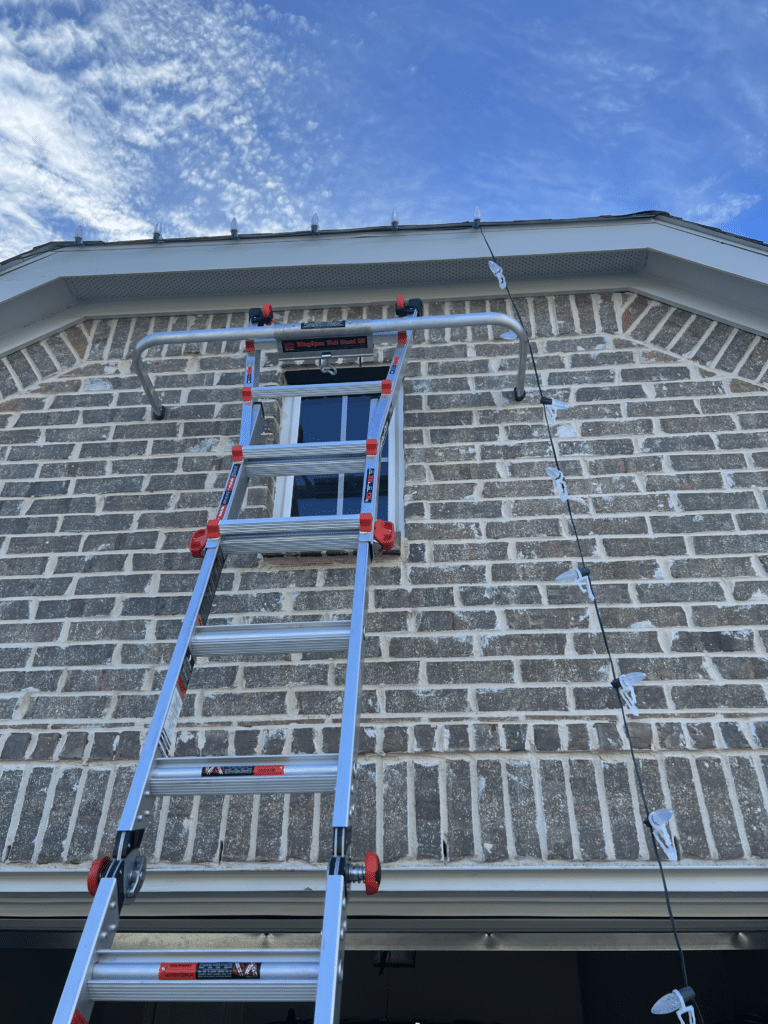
column 99, row 972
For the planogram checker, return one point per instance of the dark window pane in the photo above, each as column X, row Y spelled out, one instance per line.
column 320, row 420
column 315, row 495
column 358, row 409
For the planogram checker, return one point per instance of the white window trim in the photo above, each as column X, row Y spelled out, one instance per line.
column 289, row 432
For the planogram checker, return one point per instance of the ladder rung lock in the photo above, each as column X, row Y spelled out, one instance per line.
column 298, row 459
column 278, row 536
column 205, row 976
column 270, row 638
column 296, row 773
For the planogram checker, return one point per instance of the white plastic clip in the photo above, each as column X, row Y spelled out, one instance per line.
column 580, row 579
column 553, row 405
column 659, row 821
column 556, row 476
column 626, row 689
column 679, row 1001
column 498, row 273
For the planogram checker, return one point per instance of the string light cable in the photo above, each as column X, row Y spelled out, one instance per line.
column 655, row 821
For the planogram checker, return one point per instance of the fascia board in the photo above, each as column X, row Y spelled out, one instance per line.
column 35, row 300
column 704, row 891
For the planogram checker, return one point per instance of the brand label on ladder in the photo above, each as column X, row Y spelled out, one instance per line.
column 210, row 971
column 171, row 721
column 215, row 771
column 319, row 346
column 369, row 478
column 228, row 490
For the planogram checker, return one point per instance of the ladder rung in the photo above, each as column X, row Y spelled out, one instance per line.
column 295, row 773
column 270, row 638
column 360, row 387
column 297, row 459
column 205, row 975
column 278, row 536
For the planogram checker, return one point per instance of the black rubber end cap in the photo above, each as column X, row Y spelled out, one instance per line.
column 520, row 397
column 160, row 415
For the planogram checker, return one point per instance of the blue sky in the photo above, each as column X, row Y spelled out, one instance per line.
column 122, row 113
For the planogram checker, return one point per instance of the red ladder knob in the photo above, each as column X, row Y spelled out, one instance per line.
column 99, row 869
column 372, row 874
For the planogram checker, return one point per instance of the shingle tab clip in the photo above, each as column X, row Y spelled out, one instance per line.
column 625, row 687
column 580, row 578
column 556, row 476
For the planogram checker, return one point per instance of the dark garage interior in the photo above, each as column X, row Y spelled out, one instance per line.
column 445, row 987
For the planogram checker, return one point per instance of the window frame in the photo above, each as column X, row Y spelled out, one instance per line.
column 289, row 432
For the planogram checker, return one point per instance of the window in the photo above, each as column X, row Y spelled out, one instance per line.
column 338, row 418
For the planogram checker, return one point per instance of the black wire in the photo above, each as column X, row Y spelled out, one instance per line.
column 640, row 787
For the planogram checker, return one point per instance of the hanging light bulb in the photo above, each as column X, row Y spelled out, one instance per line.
column 79, row 234
column 395, row 220
column 315, row 224
column 477, row 218
column 233, row 227
column 677, row 1001
column 157, row 234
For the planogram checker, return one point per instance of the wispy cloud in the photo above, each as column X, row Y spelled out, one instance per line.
column 119, row 114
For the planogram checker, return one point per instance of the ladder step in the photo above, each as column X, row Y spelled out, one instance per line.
column 359, row 387
column 294, row 773
column 270, row 638
column 283, row 536
column 205, row 975
column 297, row 459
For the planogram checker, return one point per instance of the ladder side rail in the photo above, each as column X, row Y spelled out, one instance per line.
column 139, row 803
column 252, row 411
column 331, row 968
column 386, row 405
column 98, row 933
column 270, row 337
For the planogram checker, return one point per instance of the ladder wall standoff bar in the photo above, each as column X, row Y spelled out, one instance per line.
column 271, row 337
column 97, row 972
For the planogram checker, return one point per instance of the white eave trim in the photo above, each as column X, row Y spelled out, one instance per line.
column 579, row 890
column 719, row 276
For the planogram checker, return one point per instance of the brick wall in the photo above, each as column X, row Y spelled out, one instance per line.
column 486, row 691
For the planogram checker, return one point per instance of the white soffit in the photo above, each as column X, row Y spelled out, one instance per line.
column 709, row 272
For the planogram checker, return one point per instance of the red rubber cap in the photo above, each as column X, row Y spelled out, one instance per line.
column 97, row 872
column 402, row 337
column 266, row 310
column 386, row 387
column 400, row 302
column 372, row 873
column 237, row 453
column 197, row 543
column 384, row 534
column 371, row 446
column 79, row 1018
column 250, row 348
column 212, row 529
column 366, row 522
column 247, row 395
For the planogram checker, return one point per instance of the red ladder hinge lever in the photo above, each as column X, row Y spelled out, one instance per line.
column 384, row 534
